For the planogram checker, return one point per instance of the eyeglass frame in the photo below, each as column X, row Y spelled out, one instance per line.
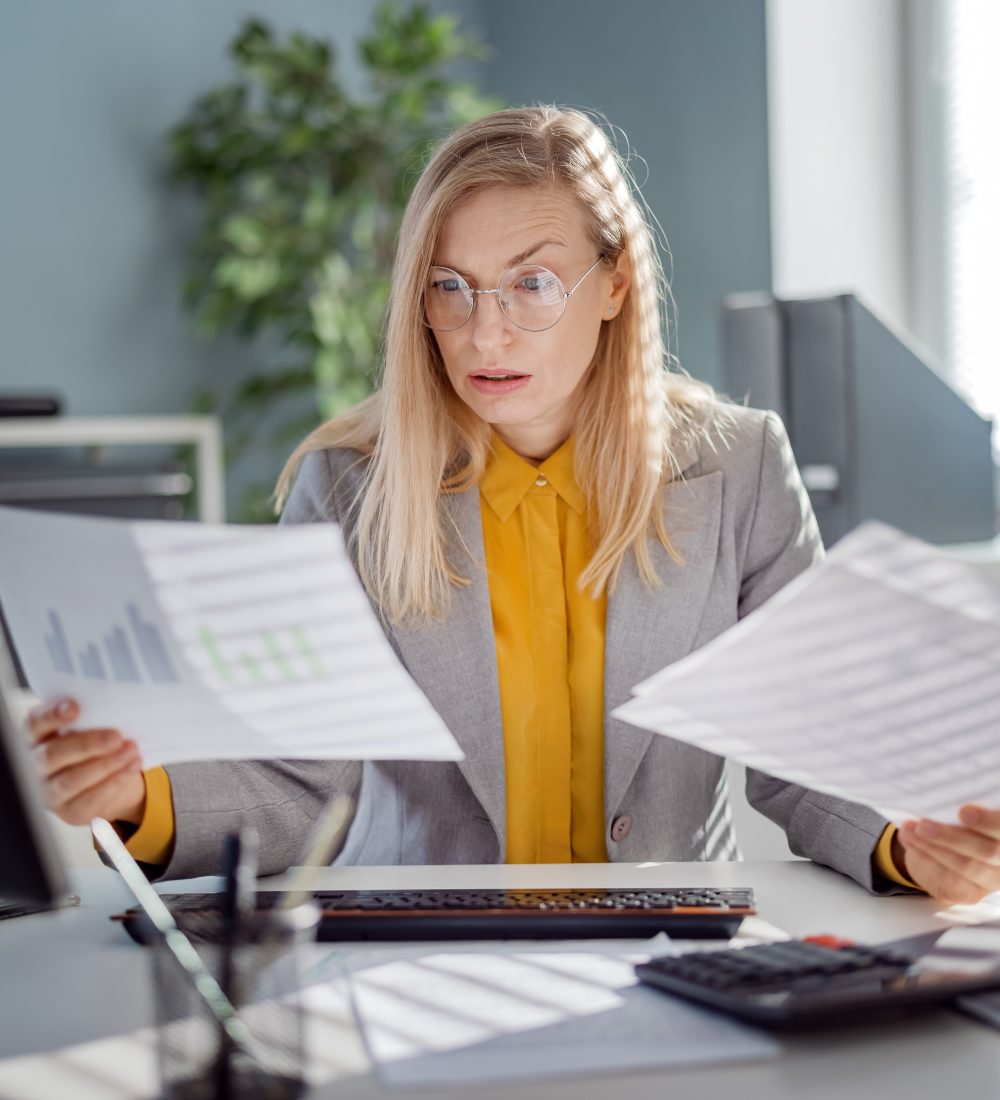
column 566, row 295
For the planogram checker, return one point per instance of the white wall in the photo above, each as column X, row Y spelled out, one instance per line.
column 927, row 92
column 837, row 117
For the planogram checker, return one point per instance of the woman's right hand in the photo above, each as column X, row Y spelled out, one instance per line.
column 86, row 773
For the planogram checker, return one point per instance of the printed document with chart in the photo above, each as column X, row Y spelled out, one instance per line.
column 206, row 642
column 874, row 677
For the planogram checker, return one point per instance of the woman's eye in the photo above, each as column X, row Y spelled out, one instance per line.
column 447, row 285
column 535, row 283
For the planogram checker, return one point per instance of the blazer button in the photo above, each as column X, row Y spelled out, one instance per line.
column 621, row 827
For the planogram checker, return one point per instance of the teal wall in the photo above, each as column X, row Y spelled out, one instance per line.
column 93, row 242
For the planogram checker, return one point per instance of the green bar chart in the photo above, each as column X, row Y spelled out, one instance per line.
column 266, row 657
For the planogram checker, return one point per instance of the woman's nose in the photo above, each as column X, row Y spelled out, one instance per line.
column 490, row 326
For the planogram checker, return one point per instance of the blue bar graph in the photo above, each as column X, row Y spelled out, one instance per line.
column 120, row 655
column 91, row 664
column 114, row 656
column 58, row 646
column 151, row 648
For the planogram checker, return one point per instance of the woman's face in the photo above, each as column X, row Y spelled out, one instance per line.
column 498, row 228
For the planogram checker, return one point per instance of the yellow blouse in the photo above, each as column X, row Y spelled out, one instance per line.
column 550, row 664
column 153, row 840
column 550, row 657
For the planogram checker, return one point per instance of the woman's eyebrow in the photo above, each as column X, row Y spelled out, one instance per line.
column 522, row 256
column 514, row 260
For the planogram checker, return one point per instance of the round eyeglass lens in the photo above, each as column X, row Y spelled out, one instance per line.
column 448, row 299
column 532, row 297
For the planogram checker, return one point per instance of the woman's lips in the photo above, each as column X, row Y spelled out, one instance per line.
column 509, row 384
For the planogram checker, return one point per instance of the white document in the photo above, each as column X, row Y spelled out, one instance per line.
column 205, row 642
column 970, row 948
column 874, row 677
column 474, row 1018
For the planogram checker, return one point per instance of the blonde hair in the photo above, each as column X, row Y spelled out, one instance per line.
column 423, row 442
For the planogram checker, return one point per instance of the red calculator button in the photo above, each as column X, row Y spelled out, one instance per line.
column 828, row 941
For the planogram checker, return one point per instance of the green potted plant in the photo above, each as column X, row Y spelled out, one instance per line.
column 303, row 187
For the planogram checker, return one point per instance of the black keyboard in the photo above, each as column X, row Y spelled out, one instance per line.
column 796, row 984
column 9, row 909
column 485, row 914
column 17, row 909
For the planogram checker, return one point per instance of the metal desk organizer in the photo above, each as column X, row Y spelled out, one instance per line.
column 264, row 963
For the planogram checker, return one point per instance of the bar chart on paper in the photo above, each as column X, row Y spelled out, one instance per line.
column 209, row 641
column 290, row 654
column 129, row 657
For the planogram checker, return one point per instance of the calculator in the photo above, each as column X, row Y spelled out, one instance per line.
column 800, row 984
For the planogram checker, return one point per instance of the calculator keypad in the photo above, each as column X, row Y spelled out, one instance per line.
column 755, row 969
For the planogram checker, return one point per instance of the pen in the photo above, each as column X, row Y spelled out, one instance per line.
column 239, row 868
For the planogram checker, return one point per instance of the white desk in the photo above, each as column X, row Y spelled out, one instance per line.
column 72, row 976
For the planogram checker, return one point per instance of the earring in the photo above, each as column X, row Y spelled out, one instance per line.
column 611, row 309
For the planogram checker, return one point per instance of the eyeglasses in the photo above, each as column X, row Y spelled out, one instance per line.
column 533, row 298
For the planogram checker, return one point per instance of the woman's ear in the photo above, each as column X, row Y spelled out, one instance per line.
column 621, row 280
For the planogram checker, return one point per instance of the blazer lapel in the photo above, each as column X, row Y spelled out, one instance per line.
column 454, row 662
column 647, row 629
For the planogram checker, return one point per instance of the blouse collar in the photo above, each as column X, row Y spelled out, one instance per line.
column 509, row 477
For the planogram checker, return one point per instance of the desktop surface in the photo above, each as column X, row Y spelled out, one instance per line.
column 73, row 976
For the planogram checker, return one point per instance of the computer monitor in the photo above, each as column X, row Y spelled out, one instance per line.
column 31, row 871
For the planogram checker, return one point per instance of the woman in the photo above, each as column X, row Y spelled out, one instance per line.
column 543, row 516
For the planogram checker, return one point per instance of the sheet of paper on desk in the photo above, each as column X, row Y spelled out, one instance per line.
column 206, row 642
column 874, row 677
column 475, row 1018
column 970, row 947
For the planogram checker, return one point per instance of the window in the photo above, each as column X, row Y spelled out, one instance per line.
column 970, row 50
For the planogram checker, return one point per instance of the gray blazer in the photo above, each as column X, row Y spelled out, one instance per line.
column 742, row 522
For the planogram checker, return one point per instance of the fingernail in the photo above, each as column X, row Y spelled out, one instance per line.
column 928, row 828
column 111, row 737
column 64, row 708
column 972, row 814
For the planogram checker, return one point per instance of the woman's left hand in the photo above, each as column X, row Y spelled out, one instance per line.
column 959, row 864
